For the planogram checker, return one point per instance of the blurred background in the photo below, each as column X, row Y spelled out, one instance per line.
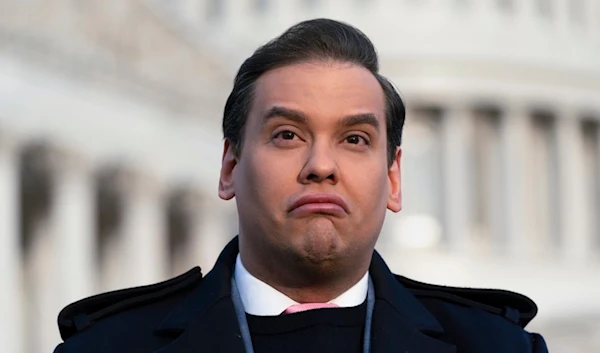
column 110, row 147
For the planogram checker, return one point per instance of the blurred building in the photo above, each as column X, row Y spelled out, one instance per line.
column 110, row 147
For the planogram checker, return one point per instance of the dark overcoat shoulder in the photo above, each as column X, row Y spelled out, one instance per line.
column 192, row 313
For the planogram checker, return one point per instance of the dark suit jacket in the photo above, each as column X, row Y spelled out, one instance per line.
column 194, row 314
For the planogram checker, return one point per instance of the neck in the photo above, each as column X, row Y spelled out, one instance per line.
column 312, row 283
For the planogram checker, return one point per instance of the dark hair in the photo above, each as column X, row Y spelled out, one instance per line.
column 318, row 39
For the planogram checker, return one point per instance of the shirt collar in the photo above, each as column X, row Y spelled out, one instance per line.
column 261, row 299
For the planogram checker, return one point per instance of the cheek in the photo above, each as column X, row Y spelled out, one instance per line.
column 370, row 187
column 267, row 180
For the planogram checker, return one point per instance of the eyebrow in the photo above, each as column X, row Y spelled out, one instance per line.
column 300, row 117
column 281, row 112
column 360, row 119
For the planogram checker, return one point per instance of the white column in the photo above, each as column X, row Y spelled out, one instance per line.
column 187, row 204
column 596, row 211
column 516, row 130
column 488, row 208
column 64, row 254
column 144, row 232
column 592, row 182
column 210, row 230
column 595, row 217
column 11, row 306
column 457, row 138
column 575, row 221
column 73, row 222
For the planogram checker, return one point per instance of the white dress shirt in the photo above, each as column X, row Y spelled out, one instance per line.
column 261, row 299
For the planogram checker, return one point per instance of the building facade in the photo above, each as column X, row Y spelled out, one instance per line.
column 110, row 147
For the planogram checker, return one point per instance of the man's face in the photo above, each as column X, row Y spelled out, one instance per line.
column 312, row 180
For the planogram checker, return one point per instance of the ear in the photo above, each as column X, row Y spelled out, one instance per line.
column 394, row 203
column 228, row 163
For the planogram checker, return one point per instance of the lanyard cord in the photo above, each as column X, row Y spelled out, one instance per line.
column 369, row 317
column 245, row 330
column 241, row 316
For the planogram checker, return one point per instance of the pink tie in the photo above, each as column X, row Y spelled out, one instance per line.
column 296, row 308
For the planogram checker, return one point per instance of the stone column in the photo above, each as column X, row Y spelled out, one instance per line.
column 596, row 211
column 217, row 227
column 144, row 260
column 210, row 231
column 63, row 261
column 515, row 136
column 488, row 211
column 183, row 214
column 592, row 181
column 575, row 216
column 59, row 264
column 72, row 219
column 595, row 216
column 457, row 126
column 11, row 306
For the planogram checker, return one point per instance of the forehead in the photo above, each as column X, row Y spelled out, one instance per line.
column 320, row 89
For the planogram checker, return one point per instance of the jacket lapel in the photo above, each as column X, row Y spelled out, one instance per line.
column 206, row 322
column 400, row 322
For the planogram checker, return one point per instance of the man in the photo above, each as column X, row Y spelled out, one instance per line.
column 312, row 157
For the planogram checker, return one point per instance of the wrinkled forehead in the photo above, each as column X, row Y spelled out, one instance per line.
column 320, row 91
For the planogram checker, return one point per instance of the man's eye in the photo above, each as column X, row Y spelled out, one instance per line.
column 286, row 135
column 356, row 139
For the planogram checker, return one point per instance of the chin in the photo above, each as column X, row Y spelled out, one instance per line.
column 320, row 243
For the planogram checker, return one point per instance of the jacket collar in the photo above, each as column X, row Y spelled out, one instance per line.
column 389, row 290
column 213, row 288
column 400, row 321
column 206, row 319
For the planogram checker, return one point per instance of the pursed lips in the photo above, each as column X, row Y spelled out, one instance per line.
column 319, row 203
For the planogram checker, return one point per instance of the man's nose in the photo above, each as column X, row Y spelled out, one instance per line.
column 320, row 166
